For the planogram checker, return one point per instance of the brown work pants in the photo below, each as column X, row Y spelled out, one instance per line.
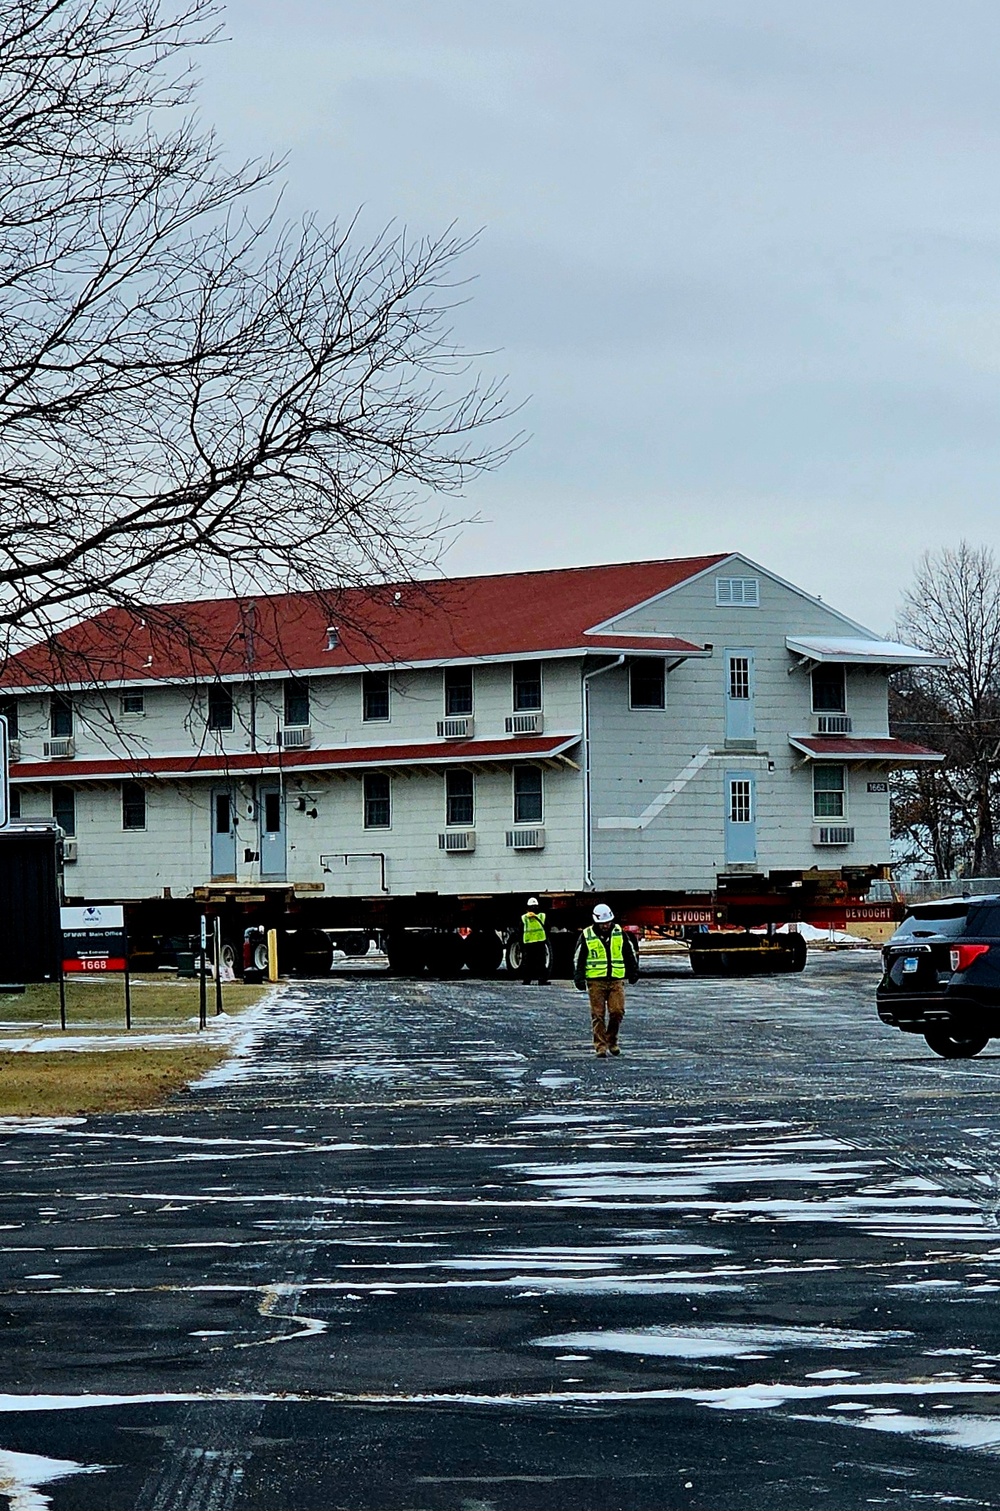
column 607, row 1009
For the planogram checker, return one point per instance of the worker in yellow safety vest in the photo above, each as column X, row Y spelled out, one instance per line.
column 605, row 959
column 534, row 946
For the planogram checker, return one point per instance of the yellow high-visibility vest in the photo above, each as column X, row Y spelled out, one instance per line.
column 597, row 955
column 534, row 928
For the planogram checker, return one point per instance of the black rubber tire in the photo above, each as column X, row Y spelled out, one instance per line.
column 405, row 953
column 484, row 952
column 446, row 955
column 352, row 944
column 796, row 952
column 311, row 952
column 231, row 956
column 954, row 1046
column 260, row 957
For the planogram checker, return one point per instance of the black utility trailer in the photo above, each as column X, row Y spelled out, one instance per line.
column 29, row 904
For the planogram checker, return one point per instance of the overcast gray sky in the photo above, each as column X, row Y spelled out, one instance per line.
column 741, row 256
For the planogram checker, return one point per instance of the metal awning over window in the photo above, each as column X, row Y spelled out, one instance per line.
column 852, row 650
column 884, row 752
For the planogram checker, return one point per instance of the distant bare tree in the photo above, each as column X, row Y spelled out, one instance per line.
column 192, row 396
column 953, row 609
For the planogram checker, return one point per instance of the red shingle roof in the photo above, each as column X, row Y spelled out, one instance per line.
column 834, row 747
column 519, row 614
column 338, row 757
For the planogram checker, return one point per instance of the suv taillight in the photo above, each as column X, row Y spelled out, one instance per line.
column 964, row 954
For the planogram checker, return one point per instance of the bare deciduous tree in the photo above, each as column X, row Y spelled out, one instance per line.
column 953, row 609
column 192, row 396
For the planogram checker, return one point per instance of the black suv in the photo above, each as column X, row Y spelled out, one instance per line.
column 942, row 975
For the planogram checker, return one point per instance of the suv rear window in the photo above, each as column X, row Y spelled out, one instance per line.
column 949, row 920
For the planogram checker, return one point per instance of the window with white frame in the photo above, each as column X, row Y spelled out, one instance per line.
column 741, row 800
column 60, row 718
column 527, row 687
column 739, row 678
column 460, row 799
column 378, row 803
column 647, row 683
column 133, row 806
column 828, row 791
column 828, row 694
column 375, row 696
column 220, row 706
column 64, row 808
column 527, row 795
column 738, row 592
column 457, row 691
column 133, row 701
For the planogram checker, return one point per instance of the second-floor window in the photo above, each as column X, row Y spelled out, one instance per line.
column 460, row 806
column 64, row 808
column 647, row 684
column 378, row 800
column 828, row 692
column 457, row 691
column 527, row 795
column 375, row 696
column 61, row 719
column 296, row 704
column 828, row 791
column 133, row 806
column 220, row 706
column 527, row 687
column 9, row 710
column 133, row 702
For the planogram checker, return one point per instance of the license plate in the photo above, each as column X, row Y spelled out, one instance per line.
column 910, row 965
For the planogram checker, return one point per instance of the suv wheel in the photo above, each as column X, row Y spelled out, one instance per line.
column 953, row 1046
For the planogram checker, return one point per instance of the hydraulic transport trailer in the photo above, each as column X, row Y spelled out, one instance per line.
column 732, row 931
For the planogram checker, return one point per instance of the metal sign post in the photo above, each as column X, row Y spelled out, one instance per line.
column 217, row 945
column 202, row 1013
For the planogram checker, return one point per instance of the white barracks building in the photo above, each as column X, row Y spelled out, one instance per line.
column 649, row 725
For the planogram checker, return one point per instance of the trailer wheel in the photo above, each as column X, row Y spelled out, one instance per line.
column 512, row 956
column 352, row 944
column 405, row 953
column 311, row 952
column 955, row 1046
column 796, row 952
column 230, row 956
column 445, row 955
column 484, row 952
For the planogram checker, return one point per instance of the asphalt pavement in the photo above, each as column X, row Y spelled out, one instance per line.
column 416, row 1248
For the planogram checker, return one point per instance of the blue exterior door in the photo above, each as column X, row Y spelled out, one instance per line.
column 223, row 832
column 271, row 810
column 741, row 818
column 739, row 695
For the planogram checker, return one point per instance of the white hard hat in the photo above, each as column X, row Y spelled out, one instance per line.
column 532, row 902
column 603, row 914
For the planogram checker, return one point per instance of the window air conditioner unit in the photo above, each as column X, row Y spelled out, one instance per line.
column 833, row 834
column 59, row 750
column 295, row 737
column 14, row 750
column 525, row 839
column 524, row 724
column 457, row 841
column 833, row 724
column 459, row 728
column 69, row 851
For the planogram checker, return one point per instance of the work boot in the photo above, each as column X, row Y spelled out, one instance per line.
column 613, row 1049
column 601, row 1053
